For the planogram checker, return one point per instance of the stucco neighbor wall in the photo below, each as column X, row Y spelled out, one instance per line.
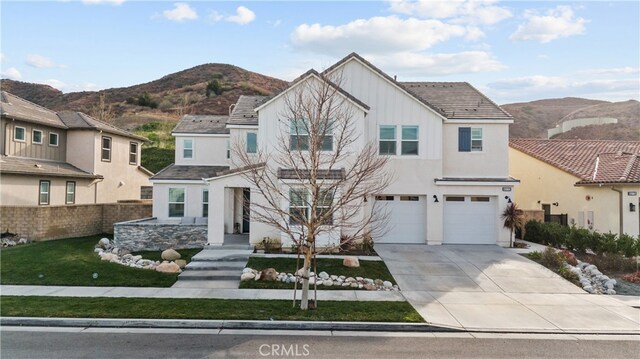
column 20, row 190
column 55, row 222
column 149, row 235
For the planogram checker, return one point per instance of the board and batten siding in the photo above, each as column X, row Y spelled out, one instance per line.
column 27, row 148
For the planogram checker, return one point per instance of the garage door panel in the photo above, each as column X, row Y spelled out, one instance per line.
column 407, row 217
column 469, row 221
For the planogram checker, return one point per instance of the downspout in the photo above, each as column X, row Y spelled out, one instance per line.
column 95, row 190
column 620, row 209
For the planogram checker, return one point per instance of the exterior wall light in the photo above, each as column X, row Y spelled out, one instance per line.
column 435, row 199
column 508, row 199
column 555, row 204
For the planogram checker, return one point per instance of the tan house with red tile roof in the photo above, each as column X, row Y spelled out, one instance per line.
column 596, row 183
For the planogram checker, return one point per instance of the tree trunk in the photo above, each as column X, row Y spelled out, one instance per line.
column 304, row 301
column 511, row 237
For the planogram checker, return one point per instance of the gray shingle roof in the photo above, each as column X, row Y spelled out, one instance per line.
column 292, row 174
column 80, row 121
column 180, row 172
column 21, row 109
column 206, row 124
column 458, row 100
column 38, row 167
column 243, row 112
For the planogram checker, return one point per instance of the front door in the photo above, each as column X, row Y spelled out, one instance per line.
column 246, row 196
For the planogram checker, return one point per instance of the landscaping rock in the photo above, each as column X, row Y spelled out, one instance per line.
column 350, row 280
column 170, row 255
column 181, row 263
column 109, row 257
column 323, row 275
column 247, row 270
column 387, row 284
column 104, row 242
column 247, row 276
column 370, row 286
column 351, row 262
column 353, row 285
column 268, row 275
column 333, row 277
column 168, row 267
column 327, row 283
column 23, row 241
column 378, row 282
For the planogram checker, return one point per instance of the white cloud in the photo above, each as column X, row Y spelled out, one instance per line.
column 610, row 71
column 12, row 73
column 101, row 2
column 377, row 35
column 180, row 12
column 2, row 57
column 420, row 65
column 243, row 16
column 275, row 23
column 56, row 84
column 556, row 23
column 479, row 12
column 41, row 62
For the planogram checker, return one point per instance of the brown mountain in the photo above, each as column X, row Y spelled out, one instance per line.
column 532, row 119
column 164, row 99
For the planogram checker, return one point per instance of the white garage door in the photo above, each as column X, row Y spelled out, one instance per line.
column 470, row 220
column 407, row 219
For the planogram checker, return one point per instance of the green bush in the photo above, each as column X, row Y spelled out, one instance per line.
column 145, row 99
column 533, row 232
column 535, row 255
column 628, row 245
column 214, row 87
column 555, row 234
column 578, row 239
column 565, row 273
column 551, row 259
column 607, row 243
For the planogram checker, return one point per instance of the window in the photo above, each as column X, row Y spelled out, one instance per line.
column 70, row 197
column 106, row 148
column 384, row 198
column 228, row 149
column 409, row 198
column 252, row 142
column 36, row 137
column 18, row 135
column 469, row 139
column 387, row 140
column 298, row 205
column 325, row 200
column 454, row 199
column 176, row 202
column 53, row 139
column 480, row 199
column 187, row 148
column 205, row 203
column 44, row 190
column 409, row 140
column 133, row 153
column 299, row 136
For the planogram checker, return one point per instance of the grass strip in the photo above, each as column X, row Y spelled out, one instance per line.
column 221, row 309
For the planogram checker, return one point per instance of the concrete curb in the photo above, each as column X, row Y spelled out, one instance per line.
column 277, row 325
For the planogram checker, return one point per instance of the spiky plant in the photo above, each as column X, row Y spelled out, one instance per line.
column 513, row 218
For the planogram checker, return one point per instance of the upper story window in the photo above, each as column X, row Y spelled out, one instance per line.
column 387, row 140
column 70, row 197
column 176, row 202
column 187, row 148
column 409, row 140
column 299, row 137
column 19, row 134
column 106, row 149
column 44, row 192
column 54, row 139
column 252, row 142
column 36, row 137
column 133, row 153
column 470, row 139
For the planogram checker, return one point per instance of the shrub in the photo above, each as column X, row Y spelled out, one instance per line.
column 606, row 244
column 613, row 262
column 551, row 259
column 535, row 255
column 214, row 87
column 145, row 99
column 565, row 273
column 578, row 239
column 632, row 277
column 628, row 245
column 533, row 232
column 569, row 257
column 555, row 234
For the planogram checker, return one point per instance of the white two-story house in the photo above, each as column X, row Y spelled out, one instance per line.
column 447, row 144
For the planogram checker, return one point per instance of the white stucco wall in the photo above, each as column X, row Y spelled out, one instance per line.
column 491, row 162
column 208, row 150
column 193, row 199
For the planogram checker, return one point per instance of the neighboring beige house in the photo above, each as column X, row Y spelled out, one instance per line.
column 595, row 183
column 63, row 158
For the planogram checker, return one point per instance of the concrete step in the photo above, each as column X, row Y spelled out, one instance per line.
column 216, row 265
column 207, row 284
column 232, row 257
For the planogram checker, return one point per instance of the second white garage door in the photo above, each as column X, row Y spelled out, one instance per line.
column 470, row 220
column 407, row 219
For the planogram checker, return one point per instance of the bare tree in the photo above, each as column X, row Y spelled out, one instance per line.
column 103, row 111
column 183, row 106
column 322, row 166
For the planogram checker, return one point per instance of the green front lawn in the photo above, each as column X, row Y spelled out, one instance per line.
column 222, row 309
column 367, row 269
column 72, row 262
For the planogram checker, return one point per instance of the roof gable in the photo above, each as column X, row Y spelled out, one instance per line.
column 593, row 161
column 81, row 121
column 207, row 124
column 21, row 109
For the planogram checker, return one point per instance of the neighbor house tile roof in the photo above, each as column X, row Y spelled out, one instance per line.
column 207, row 124
column 181, row 172
column 43, row 168
column 458, row 100
column 20, row 109
column 292, row 174
column 593, row 161
column 243, row 111
column 80, row 121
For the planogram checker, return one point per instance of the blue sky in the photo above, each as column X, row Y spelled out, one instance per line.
column 512, row 51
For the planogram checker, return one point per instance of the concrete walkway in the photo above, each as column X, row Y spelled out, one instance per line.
column 489, row 287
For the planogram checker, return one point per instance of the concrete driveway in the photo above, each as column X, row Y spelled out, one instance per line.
column 493, row 288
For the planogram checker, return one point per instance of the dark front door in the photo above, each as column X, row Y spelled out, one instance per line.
column 246, row 196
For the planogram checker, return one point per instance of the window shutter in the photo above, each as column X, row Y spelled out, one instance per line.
column 464, row 139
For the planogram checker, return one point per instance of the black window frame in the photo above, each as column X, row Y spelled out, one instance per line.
column 57, row 137
column 24, row 134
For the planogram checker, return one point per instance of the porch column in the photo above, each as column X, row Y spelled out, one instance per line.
column 215, row 230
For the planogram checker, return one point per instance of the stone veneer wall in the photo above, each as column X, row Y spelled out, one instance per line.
column 152, row 236
column 55, row 222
